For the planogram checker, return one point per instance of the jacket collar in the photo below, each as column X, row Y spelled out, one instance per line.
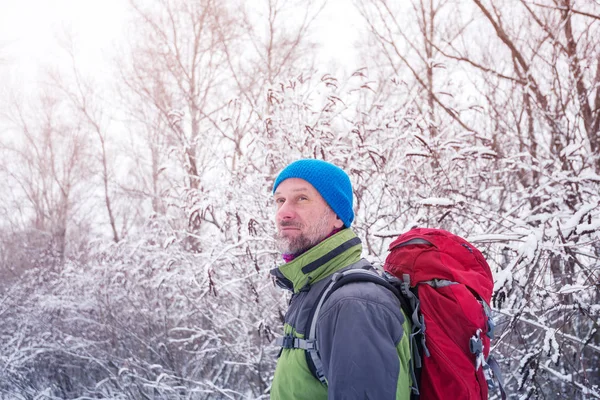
column 327, row 257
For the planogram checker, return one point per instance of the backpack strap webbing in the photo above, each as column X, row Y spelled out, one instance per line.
column 492, row 364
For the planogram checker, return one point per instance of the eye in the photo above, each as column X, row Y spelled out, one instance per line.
column 279, row 200
column 302, row 198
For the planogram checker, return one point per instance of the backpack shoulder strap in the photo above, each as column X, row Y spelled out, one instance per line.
column 358, row 272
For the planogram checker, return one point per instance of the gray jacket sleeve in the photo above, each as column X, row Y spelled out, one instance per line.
column 358, row 330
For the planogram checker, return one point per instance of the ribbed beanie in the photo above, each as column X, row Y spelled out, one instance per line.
column 330, row 181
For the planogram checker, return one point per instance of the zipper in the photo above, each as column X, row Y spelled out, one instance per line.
column 281, row 280
column 414, row 241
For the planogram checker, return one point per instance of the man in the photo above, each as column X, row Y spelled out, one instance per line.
column 362, row 339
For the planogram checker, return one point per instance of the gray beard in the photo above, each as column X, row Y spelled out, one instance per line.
column 305, row 241
column 295, row 245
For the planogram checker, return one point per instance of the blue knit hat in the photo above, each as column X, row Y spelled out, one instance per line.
column 330, row 181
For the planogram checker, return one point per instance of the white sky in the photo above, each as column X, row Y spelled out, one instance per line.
column 30, row 44
column 29, row 31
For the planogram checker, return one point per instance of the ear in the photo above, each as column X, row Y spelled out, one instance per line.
column 338, row 223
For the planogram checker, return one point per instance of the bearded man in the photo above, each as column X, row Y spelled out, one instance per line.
column 361, row 335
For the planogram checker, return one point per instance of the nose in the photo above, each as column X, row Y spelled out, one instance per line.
column 285, row 212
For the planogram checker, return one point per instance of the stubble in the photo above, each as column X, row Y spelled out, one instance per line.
column 313, row 236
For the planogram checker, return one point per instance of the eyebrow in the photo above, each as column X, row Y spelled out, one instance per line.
column 302, row 189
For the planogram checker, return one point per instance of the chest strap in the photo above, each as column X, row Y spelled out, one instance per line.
column 291, row 342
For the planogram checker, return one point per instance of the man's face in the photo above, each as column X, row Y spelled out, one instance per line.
column 303, row 218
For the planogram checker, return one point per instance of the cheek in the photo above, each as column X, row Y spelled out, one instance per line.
column 319, row 220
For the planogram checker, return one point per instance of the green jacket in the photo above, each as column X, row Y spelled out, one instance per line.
column 361, row 331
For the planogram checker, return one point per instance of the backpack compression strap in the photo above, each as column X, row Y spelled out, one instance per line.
column 492, row 364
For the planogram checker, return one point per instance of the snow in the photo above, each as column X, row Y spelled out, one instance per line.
column 436, row 201
column 479, row 150
column 502, row 278
column 506, row 237
column 550, row 346
column 566, row 289
column 190, row 305
column 418, row 153
column 570, row 149
column 574, row 221
column 594, row 226
column 590, row 176
column 529, row 247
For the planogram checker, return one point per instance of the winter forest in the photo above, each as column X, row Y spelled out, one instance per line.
column 136, row 218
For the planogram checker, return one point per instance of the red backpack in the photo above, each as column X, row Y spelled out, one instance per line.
column 449, row 286
column 444, row 286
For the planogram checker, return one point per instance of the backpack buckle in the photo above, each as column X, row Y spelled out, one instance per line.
column 287, row 342
column 310, row 345
column 476, row 347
